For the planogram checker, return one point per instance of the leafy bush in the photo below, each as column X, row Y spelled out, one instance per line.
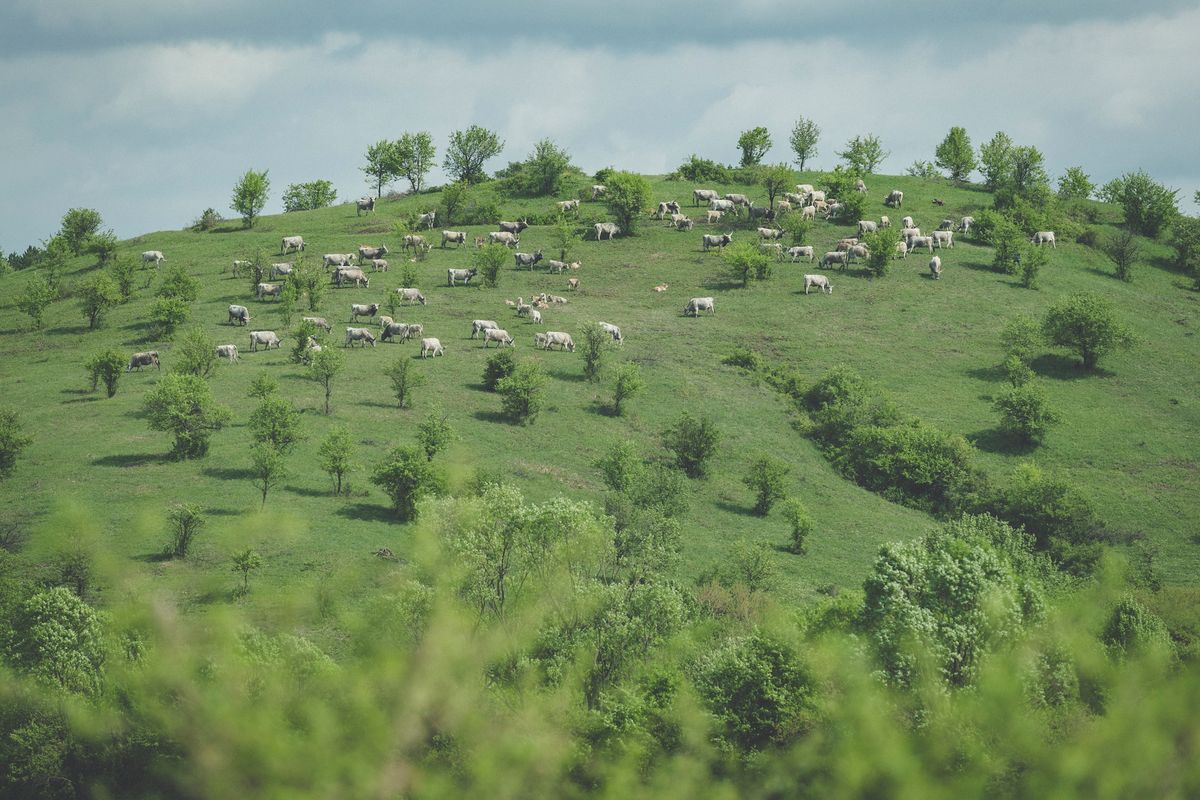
column 183, row 406
column 1132, row 629
column 627, row 198
column 1074, row 184
column 1086, row 323
column 1025, row 413
column 97, row 294
column 185, row 521
column 693, row 442
column 745, row 358
column 955, row 154
column 404, row 380
column 523, row 392
column 1149, row 205
column 1017, row 371
column 800, row 524
column 745, row 261
column 207, row 221
column 627, row 383
column 106, row 366
column 38, row 295
column 167, row 314
column 498, row 366
column 196, row 354
column 489, row 260
column 309, row 196
column 925, row 170
column 13, row 441
column 1030, row 266
column 1123, row 250
column 540, row 174
column 177, row 282
column 766, row 478
column 406, row 476
column 863, row 154
column 58, row 639
column 1090, row 237
column 1060, row 519
column 700, row 170
column 1021, row 337
column 880, row 244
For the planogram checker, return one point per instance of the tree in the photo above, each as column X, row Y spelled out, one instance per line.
column 182, row 405
column 37, row 296
column 124, row 271
column 245, row 562
column 523, row 392
column 12, row 441
column 177, row 282
column 805, row 134
column 864, row 153
column 881, row 246
column 454, row 198
column 627, row 197
column 1123, row 250
column 1133, row 629
column 498, row 366
column 106, row 366
column 800, row 524
column 1031, row 265
column 276, row 424
column 766, row 479
column 98, row 294
column 250, row 195
column 302, row 349
column 1074, row 184
column 1086, row 323
column 467, row 152
column 434, row 434
column 776, row 179
column 404, row 380
column 596, row 341
column 542, row 172
column 57, row 638
column 926, row 170
column 323, row 367
column 185, row 520
column 414, row 158
column 309, row 196
column 167, row 314
column 263, row 386
column 490, row 260
column 628, row 383
column 565, row 237
column 266, row 468
column 1185, row 238
column 1025, row 413
column 1026, row 179
column 104, row 245
column 745, row 261
column 197, row 354
column 335, row 453
column 79, row 225
column 754, row 144
column 621, row 466
column 955, row 154
column 996, row 160
column 1149, row 205
column 1007, row 240
column 693, row 442
column 383, row 164
column 406, row 476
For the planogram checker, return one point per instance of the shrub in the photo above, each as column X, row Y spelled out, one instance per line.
column 59, row 639
column 744, row 261
column 263, row 385
column 404, row 380
column 596, row 341
column 207, row 221
column 1024, row 413
column 766, row 478
column 124, row 271
column 275, row 424
column 955, row 154
column 627, row 197
column 435, row 433
column 13, row 440
column 196, row 354
column 1008, row 242
column 185, row 521
column 747, row 359
column 1060, row 519
column 324, row 367
column 498, row 367
column 267, row 468
column 1017, row 371
column 406, row 476
column 250, row 195
column 1086, row 323
column 540, row 174
column 1074, row 184
column 800, row 524
column 300, row 350
column 863, row 154
column 1132, row 629
column 79, row 225
column 104, row 245
column 700, row 170
column 309, row 196
column 523, row 392
column 335, row 454
column 245, row 562
column 1123, row 250
column 881, row 244
column 35, row 299
column 177, row 283
column 621, row 466
column 926, row 170
column 489, row 260
column 754, row 144
column 1090, row 237
column 693, row 442
column 182, row 405
column 1149, row 205
column 106, row 366
column 628, row 382
column 1021, row 337
column 97, row 294
column 167, row 314
column 1030, row 265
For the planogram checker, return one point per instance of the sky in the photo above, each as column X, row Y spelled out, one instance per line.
column 149, row 111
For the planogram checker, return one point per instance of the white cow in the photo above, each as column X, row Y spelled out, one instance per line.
column 139, row 360
column 499, row 336
column 410, row 295
column 363, row 310
column 426, row 220
column 612, row 330
column 239, row 315
column 432, row 347
column 598, row 190
column 366, row 252
column 268, row 290
column 228, row 351
column 819, row 281
column 908, row 222
column 267, row 339
column 610, row 229
column 458, row 237
column 944, row 239
column 705, row 195
column 480, row 325
column 337, row 260
column 1044, row 237
column 796, row 253
column 318, row 322
column 713, row 216
column 935, row 267
column 563, row 340
column 808, row 212
column 895, row 198
column 920, row 241
column 415, row 241
column 363, row 335
column 964, row 224
column 153, row 255
column 350, row 275
column 281, row 270
column 721, row 205
column 505, row 238
column 379, row 264
column 698, row 304
column 535, row 316
column 901, row 249
column 866, row 226
column 829, row 259
column 290, row 243
column 884, row 222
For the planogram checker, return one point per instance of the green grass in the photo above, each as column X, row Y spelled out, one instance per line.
column 1129, row 439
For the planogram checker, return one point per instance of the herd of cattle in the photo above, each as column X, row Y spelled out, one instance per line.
column 347, row 269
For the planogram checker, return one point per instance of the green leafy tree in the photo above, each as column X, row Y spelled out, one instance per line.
column 245, row 562
column 627, row 383
column 406, row 476
column 263, row 386
column 996, row 160
column 1025, row 414
column 627, row 197
column 1132, row 629
column 335, row 452
column 1017, row 371
column 404, row 380
column 754, row 144
column 800, row 524
column 312, row 281
column 166, row 315
column 1074, row 184
column 177, row 282
column 596, row 342
column 523, row 392
column 1026, row 180
column 59, row 639
column 185, row 521
column 1124, row 251
column 124, row 271
column 455, row 197
column 414, row 158
column 468, row 151
column 35, row 299
column 880, row 244
column 804, row 138
column 250, row 195
column 926, row 170
column 1149, row 205
column 863, row 154
column 498, row 367
column 1185, row 238
column 13, row 440
column 79, row 225
column 97, row 294
column 104, row 246
column 383, row 164
column 182, row 405
column 776, row 179
column 542, row 172
column 276, row 424
column 267, row 468
column 323, row 367
column 1059, row 519
column 309, row 196
column 955, row 154
column 107, row 367
column 1032, row 261
column 301, row 350
column 490, row 260
column 196, row 354
column 766, row 478
column 565, row 237
column 621, row 466
column 1087, row 324
column 435, row 433
column 744, row 261
column 1009, row 243
column 692, row 442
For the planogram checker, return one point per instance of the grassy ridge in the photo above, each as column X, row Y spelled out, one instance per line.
column 1129, row 436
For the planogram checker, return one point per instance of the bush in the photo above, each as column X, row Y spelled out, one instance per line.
column 1149, row 205
column 177, row 283
column 185, row 521
column 747, row 359
column 744, row 261
column 1060, row 519
column 766, row 478
column 540, row 174
column 1021, row 337
column 97, row 294
column 79, row 225
column 1074, row 184
column 1132, row 629
column 124, row 271
column 167, row 314
column 489, row 260
column 800, row 524
column 693, row 442
column 1087, row 324
column 300, row 350
column 1030, row 265
column 106, row 366
column 406, row 476
column 196, row 354
column 275, row 424
column 628, row 383
column 1017, row 371
column 434, row 433
column 926, row 170
column 523, row 392
column 182, row 405
column 498, row 367
column 1024, row 413
column 881, row 244
column 863, row 154
column 404, row 380
column 1089, row 238
column 309, row 196
column 627, row 198
column 207, row 221
column 1123, row 250
column 38, row 295
column 700, row 170
column 13, row 440
column 596, row 341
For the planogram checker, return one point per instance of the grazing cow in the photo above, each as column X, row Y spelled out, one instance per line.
column 480, row 325
column 660, row 212
column 698, row 304
column 563, row 340
column 290, row 243
column 556, row 299
column 337, row 260
column 505, row 238
column 1043, row 237
column 280, row 270
column 945, row 225
column 267, row 339
column 782, row 206
column 363, row 310
column 265, row 289
column 568, row 205
column 318, row 322
column 684, row 224
column 857, row 251
column 514, row 227
column 352, row 275
column 705, row 195
column 409, row 295
column 719, row 240
column 139, row 360
column 539, row 341
column 859, row 186
column 527, row 259
column 820, row 281
column 153, row 255
column 364, row 204
column 839, row 258
column 460, row 275
column 935, row 267
column 908, row 233
column 366, row 253
column 522, row 307
column 760, row 213
column 384, row 321
column 804, row 188
column 964, row 224
column 884, row 222
column 427, row 219
column 793, row 198
column 796, row 253
column 572, row 283
column 228, row 351
column 432, row 347
column 359, row 335
column 738, row 199
column 847, row 243
column 901, row 249
column 895, row 198
column 497, row 335
column 553, row 265
column 613, row 331
column 393, row 329
column 920, row 241
column 240, row 267
column 722, row 205
column 610, row 229
column 944, row 239
column 813, row 197
column 239, row 315
column 415, row 241
column 908, row 222
column 808, row 212
column 458, row 237
column 713, row 216
column 379, row 264
column 937, row 201
column 676, row 218
column 866, row 226
column 598, row 190
column 770, row 233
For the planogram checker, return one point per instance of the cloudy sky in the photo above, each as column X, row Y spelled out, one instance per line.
column 148, row 111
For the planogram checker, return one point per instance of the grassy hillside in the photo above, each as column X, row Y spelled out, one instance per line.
column 1129, row 438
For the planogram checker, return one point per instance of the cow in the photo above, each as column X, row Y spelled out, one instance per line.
column 703, row 194
column 598, row 190
column 139, row 360
column 847, row 243
column 884, row 222
column 527, row 259
column 609, row 228
column 901, row 249
column 661, row 211
column 770, row 233
column 228, row 351
column 829, row 259
column 352, row 275
column 337, row 260
column 937, row 201
column 240, row 267
column 458, row 237
column 359, row 335
column 772, row 248
column 808, row 212
column 782, row 206
column 409, row 295
column 572, row 283
column 480, row 325
column 860, row 186
column 563, row 340
column 366, row 253
column 363, row 310
column 460, row 275
column 267, row 339
column 796, row 253
column 415, row 241
column 908, row 222
column 499, row 336
column 364, row 204
column 568, row 205
column 613, row 331
column 514, row 228
column 895, row 198
column 946, row 225
column 392, row 329
column 820, row 281
column 662, row 287
column 432, row 347
column 290, row 243
column 920, row 241
column 908, row 233
column 944, row 239
column 684, row 224
column 866, row 226
column 757, row 212
column 722, row 206
column 379, row 264
column 813, row 197
column 738, row 199
column 238, row 315
column 155, row 256
column 719, row 240
column 964, row 224
column 280, row 270
column 935, row 267
column 268, row 289
column 318, row 322
column 698, row 304
column 713, row 216
column 857, row 251
column 505, row 238
column 427, row 219
column 1043, row 237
